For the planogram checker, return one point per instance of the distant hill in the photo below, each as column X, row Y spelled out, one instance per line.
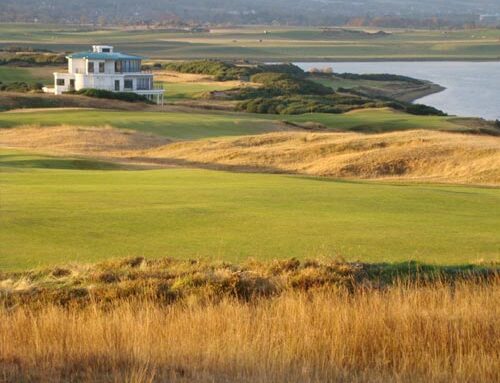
column 314, row 12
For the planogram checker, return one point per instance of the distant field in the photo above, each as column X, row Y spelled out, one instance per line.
column 29, row 74
column 54, row 216
column 279, row 43
column 201, row 124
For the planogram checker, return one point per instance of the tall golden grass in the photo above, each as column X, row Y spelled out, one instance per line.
column 419, row 155
column 422, row 155
column 404, row 333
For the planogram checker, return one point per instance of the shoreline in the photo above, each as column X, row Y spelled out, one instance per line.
column 418, row 95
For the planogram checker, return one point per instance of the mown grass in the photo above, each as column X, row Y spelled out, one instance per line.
column 50, row 216
column 185, row 125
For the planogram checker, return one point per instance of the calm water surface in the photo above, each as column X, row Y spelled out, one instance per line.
column 472, row 88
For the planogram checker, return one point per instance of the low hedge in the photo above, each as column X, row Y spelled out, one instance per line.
column 122, row 96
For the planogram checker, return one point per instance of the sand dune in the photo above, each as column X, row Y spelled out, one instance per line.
column 410, row 155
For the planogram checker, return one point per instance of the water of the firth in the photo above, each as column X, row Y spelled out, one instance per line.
column 472, row 88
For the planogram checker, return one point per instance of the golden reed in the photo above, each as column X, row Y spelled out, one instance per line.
column 433, row 333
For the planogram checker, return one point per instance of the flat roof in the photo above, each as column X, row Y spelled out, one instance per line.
column 103, row 56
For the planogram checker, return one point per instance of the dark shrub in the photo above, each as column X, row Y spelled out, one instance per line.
column 423, row 110
column 224, row 71
column 378, row 77
column 20, row 86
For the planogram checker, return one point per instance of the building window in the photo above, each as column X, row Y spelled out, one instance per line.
column 60, row 82
column 117, row 85
column 144, row 83
column 128, row 84
column 91, row 67
column 128, row 66
column 101, row 67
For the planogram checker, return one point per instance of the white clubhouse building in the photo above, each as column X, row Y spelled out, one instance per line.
column 102, row 68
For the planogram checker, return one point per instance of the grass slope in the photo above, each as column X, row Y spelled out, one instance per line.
column 196, row 124
column 54, row 216
column 177, row 125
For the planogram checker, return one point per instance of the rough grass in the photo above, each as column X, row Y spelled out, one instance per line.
column 168, row 280
column 196, row 322
column 80, row 140
column 54, row 216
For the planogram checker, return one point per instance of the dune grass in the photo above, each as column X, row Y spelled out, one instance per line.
column 50, row 216
column 435, row 333
column 417, row 155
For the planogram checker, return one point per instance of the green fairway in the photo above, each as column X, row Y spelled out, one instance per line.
column 189, row 90
column 185, row 125
column 54, row 216
column 253, row 43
